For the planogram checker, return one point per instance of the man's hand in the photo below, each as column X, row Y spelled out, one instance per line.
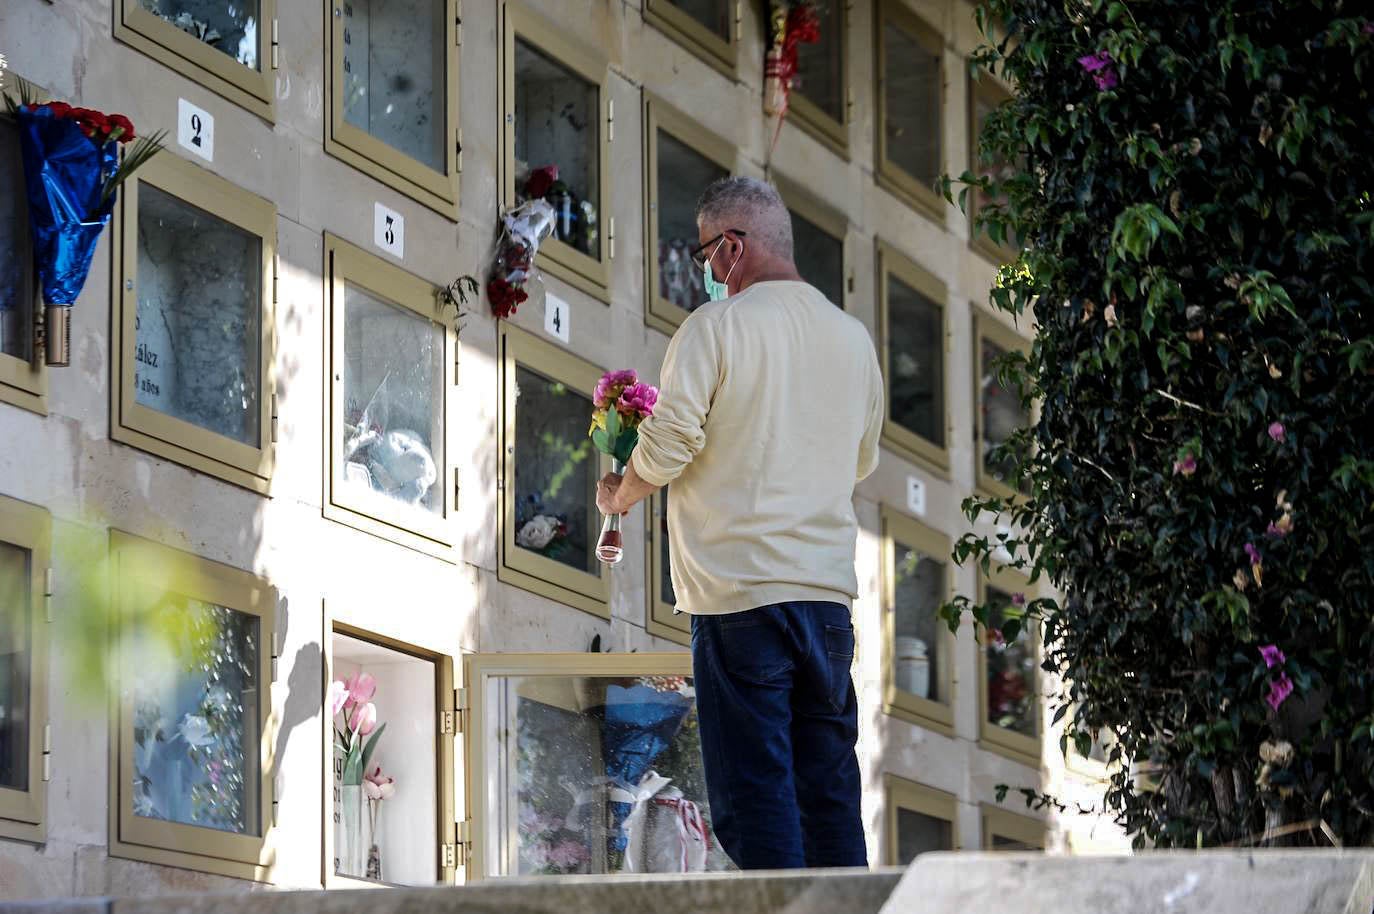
column 608, row 494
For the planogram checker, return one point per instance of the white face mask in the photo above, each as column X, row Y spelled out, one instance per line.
column 718, row 291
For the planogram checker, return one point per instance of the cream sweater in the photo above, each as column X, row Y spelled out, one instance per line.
column 770, row 409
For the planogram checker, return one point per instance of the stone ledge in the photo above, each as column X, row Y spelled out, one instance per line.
column 1205, row 882
column 802, row 892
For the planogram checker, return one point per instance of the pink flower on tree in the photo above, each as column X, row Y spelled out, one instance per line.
column 1272, row 655
column 1102, row 68
column 1252, row 553
column 638, row 400
column 1279, row 690
column 1185, row 466
column 1277, row 432
column 1018, row 600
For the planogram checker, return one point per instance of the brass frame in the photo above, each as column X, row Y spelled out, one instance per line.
column 479, row 669
column 662, row 621
column 520, row 567
column 888, row 175
column 1003, row 824
column 801, row 202
column 1017, row 747
column 254, row 90
column 807, row 115
column 437, row 190
column 903, row 793
column 923, row 712
column 445, row 750
column 985, row 326
column 891, row 263
column 986, row 89
column 25, row 384
column 660, row 313
column 135, row 561
column 23, row 813
column 345, row 263
column 590, row 275
column 722, row 55
column 146, row 428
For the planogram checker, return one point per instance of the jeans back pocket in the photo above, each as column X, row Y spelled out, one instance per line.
column 839, row 651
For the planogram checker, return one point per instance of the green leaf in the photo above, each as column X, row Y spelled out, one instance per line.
column 370, row 746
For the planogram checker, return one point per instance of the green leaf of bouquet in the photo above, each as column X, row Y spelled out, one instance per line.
column 612, row 424
column 371, row 745
column 625, row 445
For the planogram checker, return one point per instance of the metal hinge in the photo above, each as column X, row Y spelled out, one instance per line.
column 610, row 120
column 47, row 752
column 47, row 594
column 458, row 151
column 739, row 12
column 276, row 264
column 458, row 853
column 276, row 46
column 448, row 856
column 274, row 418
column 610, row 238
column 458, row 25
column 460, row 709
column 446, row 723
column 457, row 488
column 276, row 636
column 848, row 102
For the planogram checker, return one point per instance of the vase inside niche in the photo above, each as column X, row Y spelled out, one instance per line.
column 374, row 853
column 350, row 840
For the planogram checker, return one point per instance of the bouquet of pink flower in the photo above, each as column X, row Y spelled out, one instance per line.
column 622, row 402
column 358, row 731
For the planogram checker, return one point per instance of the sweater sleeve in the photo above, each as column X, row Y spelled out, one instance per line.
column 673, row 436
column 873, row 428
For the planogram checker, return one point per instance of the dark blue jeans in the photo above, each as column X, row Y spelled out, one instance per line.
column 779, row 722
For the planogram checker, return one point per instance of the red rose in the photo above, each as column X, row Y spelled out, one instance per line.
column 540, row 181
column 59, row 109
column 120, row 122
column 505, row 297
column 92, row 123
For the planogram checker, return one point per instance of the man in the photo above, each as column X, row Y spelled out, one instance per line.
column 770, row 409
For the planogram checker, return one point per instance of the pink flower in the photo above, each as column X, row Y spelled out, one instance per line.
column 638, row 400
column 361, row 687
column 1281, row 527
column 378, row 786
column 1279, row 690
column 567, row 854
column 1101, row 67
column 611, row 385
column 1276, row 432
column 1187, row 466
column 1272, row 655
column 363, row 720
column 1253, row 553
column 338, row 697
column 995, row 637
column 1018, row 600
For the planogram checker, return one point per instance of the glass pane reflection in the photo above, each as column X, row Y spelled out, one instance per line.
column 228, row 26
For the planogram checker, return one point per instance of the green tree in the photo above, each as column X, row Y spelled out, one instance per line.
column 1194, row 194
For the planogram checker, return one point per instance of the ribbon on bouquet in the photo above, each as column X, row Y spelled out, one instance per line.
column 691, row 825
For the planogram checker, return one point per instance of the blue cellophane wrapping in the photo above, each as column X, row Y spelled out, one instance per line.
column 64, row 173
column 640, row 724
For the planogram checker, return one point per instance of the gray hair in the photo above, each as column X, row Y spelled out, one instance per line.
column 752, row 206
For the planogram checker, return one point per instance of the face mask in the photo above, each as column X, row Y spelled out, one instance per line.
column 718, row 291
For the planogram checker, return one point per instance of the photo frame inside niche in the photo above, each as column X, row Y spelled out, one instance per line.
column 549, row 470
column 664, row 621
column 1011, row 695
column 917, row 820
column 557, row 111
column 1004, row 830
column 192, row 373
column 25, row 560
column 913, row 333
column 919, row 650
column 23, row 373
column 409, row 814
column 910, row 103
column 820, row 240
column 230, row 47
column 391, row 376
column 193, row 751
column 710, row 29
column 681, row 157
column 392, row 91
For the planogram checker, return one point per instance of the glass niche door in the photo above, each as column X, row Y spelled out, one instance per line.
column 389, row 750
column 585, row 764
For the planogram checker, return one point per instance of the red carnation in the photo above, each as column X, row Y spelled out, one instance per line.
column 505, row 297
column 122, row 123
column 540, row 182
column 59, row 109
column 92, row 123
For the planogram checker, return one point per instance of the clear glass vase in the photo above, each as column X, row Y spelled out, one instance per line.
column 351, row 839
column 610, row 548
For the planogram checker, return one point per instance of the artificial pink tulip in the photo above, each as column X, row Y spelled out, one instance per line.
column 361, row 687
column 338, row 697
column 363, row 720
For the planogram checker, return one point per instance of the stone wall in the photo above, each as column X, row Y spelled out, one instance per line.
column 67, row 462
